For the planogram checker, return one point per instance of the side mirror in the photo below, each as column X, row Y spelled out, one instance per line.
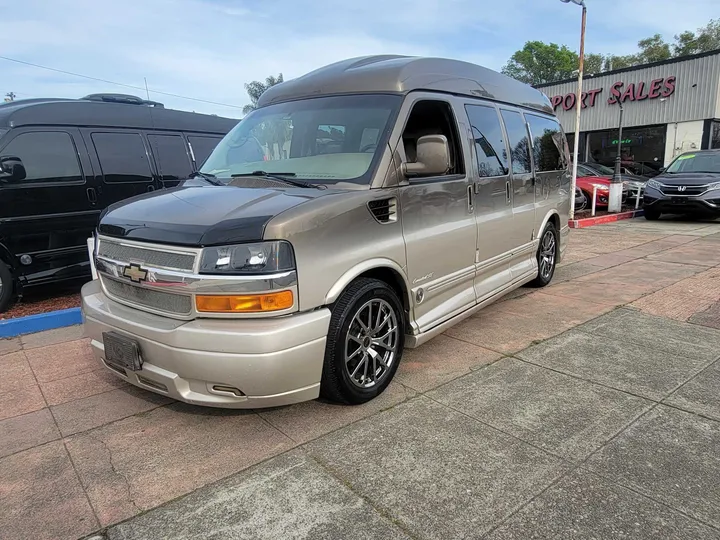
column 11, row 169
column 661, row 169
column 433, row 157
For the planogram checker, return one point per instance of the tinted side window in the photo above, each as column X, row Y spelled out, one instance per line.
column 489, row 142
column 203, row 146
column 548, row 146
column 171, row 156
column 122, row 156
column 48, row 156
column 519, row 144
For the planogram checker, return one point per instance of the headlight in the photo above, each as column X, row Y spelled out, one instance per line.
column 714, row 186
column 259, row 258
column 654, row 184
column 601, row 187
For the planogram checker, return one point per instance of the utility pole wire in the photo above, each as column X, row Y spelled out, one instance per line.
column 116, row 83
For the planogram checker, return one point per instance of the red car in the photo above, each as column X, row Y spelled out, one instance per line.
column 586, row 185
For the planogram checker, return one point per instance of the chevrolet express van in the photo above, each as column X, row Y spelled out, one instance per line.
column 400, row 196
column 62, row 161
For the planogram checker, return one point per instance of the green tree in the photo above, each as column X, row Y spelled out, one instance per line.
column 706, row 39
column 653, row 49
column 539, row 62
column 255, row 89
column 594, row 63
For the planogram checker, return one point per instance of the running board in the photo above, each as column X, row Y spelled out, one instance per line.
column 412, row 342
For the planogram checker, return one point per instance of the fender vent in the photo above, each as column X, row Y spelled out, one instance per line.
column 384, row 210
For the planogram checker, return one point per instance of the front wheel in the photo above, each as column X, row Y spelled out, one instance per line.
column 651, row 214
column 364, row 343
column 6, row 286
column 546, row 256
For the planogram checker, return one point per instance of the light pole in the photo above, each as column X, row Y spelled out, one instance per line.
column 578, row 102
column 616, row 186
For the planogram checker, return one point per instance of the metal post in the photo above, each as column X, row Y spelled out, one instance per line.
column 615, row 201
column 592, row 212
column 578, row 103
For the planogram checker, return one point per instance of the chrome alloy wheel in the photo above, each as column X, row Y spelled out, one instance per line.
column 546, row 257
column 371, row 343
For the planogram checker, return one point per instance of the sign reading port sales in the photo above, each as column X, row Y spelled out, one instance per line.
column 619, row 91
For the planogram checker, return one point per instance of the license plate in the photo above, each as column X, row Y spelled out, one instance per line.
column 679, row 200
column 122, row 351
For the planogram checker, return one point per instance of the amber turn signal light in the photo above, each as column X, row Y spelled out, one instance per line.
column 246, row 303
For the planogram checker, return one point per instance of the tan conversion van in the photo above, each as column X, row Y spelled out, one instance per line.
column 397, row 196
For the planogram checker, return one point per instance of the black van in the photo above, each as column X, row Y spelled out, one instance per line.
column 62, row 161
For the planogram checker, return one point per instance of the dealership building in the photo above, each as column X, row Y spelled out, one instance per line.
column 669, row 107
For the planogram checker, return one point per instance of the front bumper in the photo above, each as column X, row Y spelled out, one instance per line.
column 707, row 204
column 272, row 361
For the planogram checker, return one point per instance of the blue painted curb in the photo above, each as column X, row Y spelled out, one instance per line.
column 39, row 323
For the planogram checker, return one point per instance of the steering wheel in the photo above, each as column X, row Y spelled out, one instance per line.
column 368, row 148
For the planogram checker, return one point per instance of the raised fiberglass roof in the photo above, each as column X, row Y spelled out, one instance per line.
column 403, row 74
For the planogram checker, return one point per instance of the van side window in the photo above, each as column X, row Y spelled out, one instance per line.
column 171, row 156
column 548, row 146
column 122, row 156
column 48, row 156
column 519, row 143
column 202, row 147
column 490, row 151
column 433, row 118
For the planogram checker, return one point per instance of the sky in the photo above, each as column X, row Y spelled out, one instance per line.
column 209, row 49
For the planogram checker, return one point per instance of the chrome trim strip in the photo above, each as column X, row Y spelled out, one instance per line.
column 706, row 186
column 180, row 282
column 162, row 248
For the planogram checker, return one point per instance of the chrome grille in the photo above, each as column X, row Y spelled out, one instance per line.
column 149, row 257
column 159, row 300
column 687, row 190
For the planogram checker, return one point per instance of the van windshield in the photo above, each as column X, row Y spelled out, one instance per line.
column 322, row 140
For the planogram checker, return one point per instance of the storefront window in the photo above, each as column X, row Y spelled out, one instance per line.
column 643, row 148
column 571, row 142
column 715, row 134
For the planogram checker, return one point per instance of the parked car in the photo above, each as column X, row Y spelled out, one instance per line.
column 309, row 275
column 602, row 194
column 635, row 184
column 690, row 186
column 65, row 160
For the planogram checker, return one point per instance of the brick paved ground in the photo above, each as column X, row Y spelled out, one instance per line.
column 588, row 409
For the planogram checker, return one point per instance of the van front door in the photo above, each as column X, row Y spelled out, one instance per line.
column 122, row 162
column 46, row 217
column 438, row 221
column 523, row 193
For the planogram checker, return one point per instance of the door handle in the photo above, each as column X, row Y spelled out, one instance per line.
column 471, row 207
column 507, row 191
column 91, row 195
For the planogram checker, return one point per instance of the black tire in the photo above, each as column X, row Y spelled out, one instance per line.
column 543, row 280
column 7, row 287
column 651, row 214
column 337, row 382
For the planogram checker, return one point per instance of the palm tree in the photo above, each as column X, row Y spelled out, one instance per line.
column 255, row 89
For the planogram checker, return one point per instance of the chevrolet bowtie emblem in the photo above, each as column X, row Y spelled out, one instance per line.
column 135, row 273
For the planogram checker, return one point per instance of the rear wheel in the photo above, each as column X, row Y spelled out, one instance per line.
column 546, row 256
column 364, row 343
column 6, row 286
column 651, row 214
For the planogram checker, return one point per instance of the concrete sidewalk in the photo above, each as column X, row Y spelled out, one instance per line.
column 550, row 414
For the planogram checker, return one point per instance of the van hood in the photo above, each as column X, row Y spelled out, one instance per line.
column 201, row 216
column 687, row 179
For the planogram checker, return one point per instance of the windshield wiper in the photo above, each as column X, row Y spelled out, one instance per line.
column 282, row 177
column 209, row 178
